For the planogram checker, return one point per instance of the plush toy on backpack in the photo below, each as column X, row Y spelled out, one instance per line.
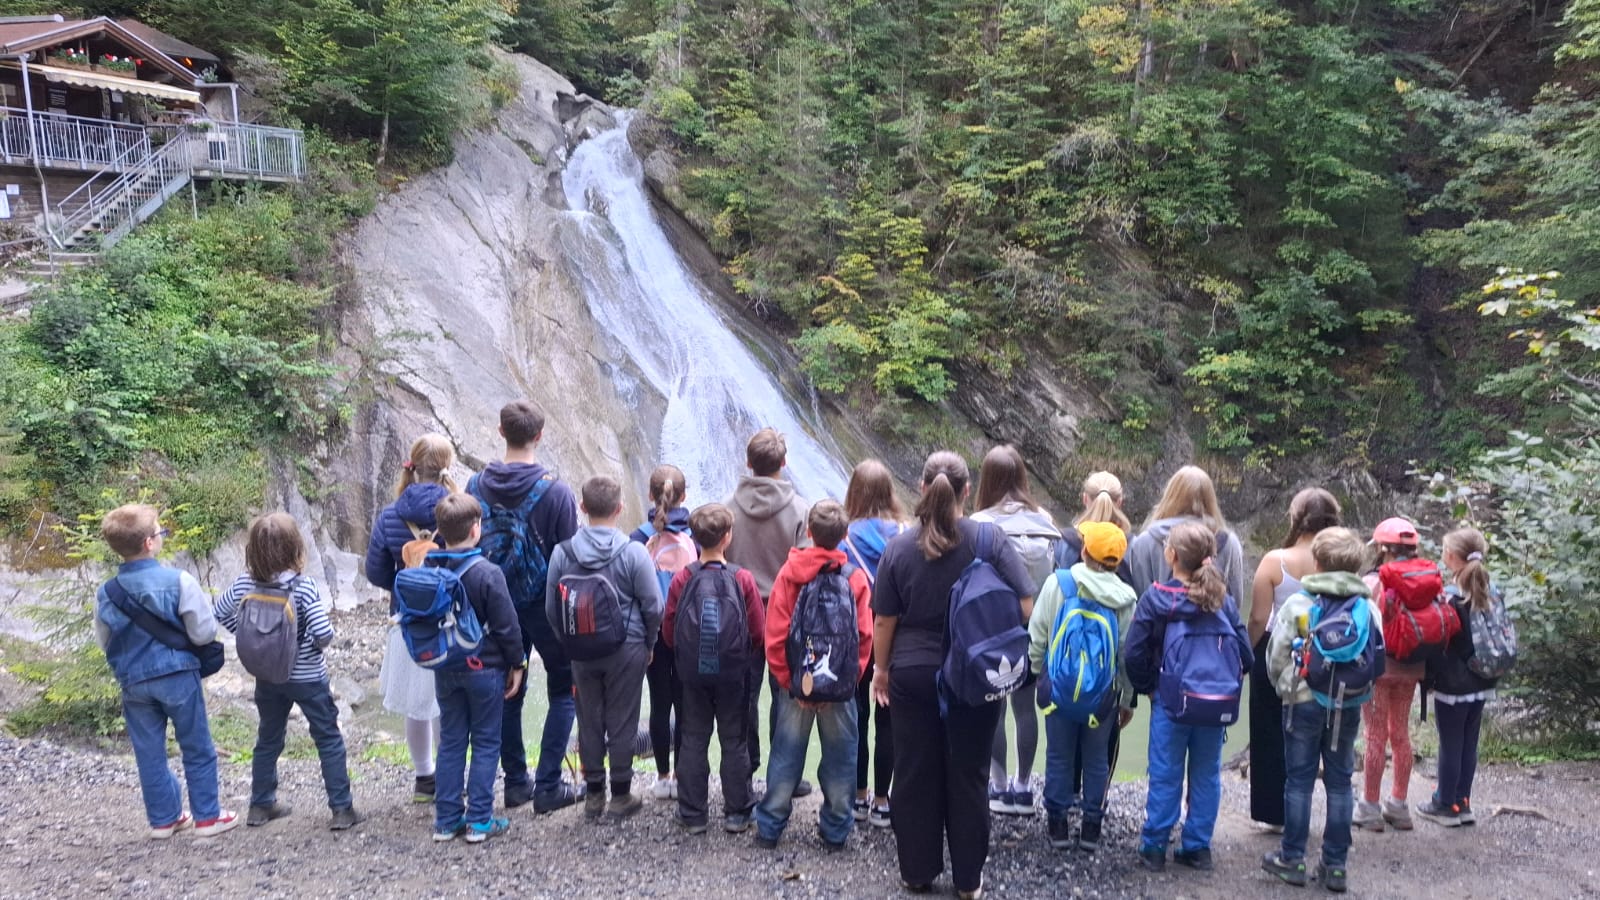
column 1418, row 621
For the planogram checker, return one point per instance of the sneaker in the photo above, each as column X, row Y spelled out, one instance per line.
column 688, row 826
column 440, row 835
column 765, row 843
column 1089, row 836
column 518, row 795
column 1289, row 871
column 665, row 788
column 1397, row 814
column 1368, row 817
column 422, row 789
column 1153, row 858
column 910, row 888
column 562, row 797
column 860, row 807
column 1267, row 827
column 594, row 803
column 261, row 815
column 1439, row 814
column 1331, row 878
column 736, row 823
column 622, row 805
column 803, row 789
column 162, row 832
column 345, row 819
column 976, row 894
column 1060, row 832
column 1021, row 801
column 999, row 801
column 1464, row 812
column 226, row 820
column 830, row 846
column 1198, row 859
column 879, row 817
column 478, row 832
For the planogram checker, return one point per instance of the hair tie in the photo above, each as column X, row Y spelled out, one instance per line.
column 1205, row 562
column 1104, row 491
column 408, row 465
column 1474, row 556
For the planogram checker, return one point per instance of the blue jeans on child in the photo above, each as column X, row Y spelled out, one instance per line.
column 273, row 702
column 1172, row 745
column 1310, row 737
column 836, row 726
column 147, row 706
column 470, row 707
column 1065, row 741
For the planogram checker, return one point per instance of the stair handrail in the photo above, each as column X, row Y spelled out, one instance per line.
column 67, row 224
column 120, row 165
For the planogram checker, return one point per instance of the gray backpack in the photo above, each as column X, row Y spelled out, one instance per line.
column 1032, row 535
column 268, row 637
column 1494, row 639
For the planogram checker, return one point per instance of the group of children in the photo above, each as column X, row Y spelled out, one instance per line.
column 698, row 604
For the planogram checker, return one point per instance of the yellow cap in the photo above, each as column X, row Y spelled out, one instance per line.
column 1104, row 542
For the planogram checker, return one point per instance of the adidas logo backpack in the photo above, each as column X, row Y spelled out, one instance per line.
column 441, row 629
column 510, row 541
column 268, row 636
column 710, row 636
column 987, row 656
column 823, row 646
column 1081, row 662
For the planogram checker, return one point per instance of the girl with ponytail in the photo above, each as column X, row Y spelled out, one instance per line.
column 939, row 758
column 1196, row 590
column 665, row 534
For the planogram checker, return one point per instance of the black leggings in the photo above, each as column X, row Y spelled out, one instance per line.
column 1267, row 763
column 666, row 694
column 882, row 756
column 1458, row 725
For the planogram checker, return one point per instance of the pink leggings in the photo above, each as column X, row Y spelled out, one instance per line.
column 1388, row 724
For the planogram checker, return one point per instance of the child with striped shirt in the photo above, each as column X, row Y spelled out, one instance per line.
column 275, row 557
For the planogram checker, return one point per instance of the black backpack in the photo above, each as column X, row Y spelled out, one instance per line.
column 711, row 638
column 823, row 645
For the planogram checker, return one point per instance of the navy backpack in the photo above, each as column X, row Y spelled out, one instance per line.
column 511, row 542
column 1202, row 673
column 711, row 636
column 823, row 647
column 986, row 657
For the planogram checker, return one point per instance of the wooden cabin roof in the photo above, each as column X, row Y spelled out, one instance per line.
column 29, row 36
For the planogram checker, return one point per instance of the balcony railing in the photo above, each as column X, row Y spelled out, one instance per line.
column 216, row 149
column 62, row 141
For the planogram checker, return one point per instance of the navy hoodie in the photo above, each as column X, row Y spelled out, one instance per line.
column 554, row 519
column 390, row 533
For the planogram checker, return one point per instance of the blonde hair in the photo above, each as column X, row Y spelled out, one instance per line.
column 1189, row 494
column 944, row 478
column 1193, row 545
column 273, row 545
column 429, row 461
column 1104, row 491
column 127, row 527
column 667, row 490
column 1473, row 579
column 1338, row 550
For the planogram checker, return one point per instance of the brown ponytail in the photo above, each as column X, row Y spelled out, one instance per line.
column 430, row 460
column 944, row 481
column 1193, row 545
column 667, row 490
column 1311, row 511
column 1473, row 579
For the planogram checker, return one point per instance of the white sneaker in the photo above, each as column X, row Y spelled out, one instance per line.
column 664, row 789
column 226, row 820
column 1397, row 814
column 1368, row 816
column 166, row 831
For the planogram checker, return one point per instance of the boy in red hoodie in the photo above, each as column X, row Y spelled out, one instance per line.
column 819, row 636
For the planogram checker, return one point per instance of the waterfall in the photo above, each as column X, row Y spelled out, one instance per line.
column 638, row 289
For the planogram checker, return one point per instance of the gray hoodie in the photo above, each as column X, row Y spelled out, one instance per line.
column 768, row 519
column 625, row 562
column 1148, row 564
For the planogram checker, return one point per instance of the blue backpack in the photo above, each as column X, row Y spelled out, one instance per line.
column 1343, row 657
column 986, row 657
column 1082, row 661
column 1202, row 673
column 440, row 627
column 511, row 542
column 823, row 646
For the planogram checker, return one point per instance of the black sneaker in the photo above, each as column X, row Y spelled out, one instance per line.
column 345, row 819
column 562, row 797
column 1089, row 837
column 422, row 789
column 737, row 823
column 1465, row 812
column 1439, row 814
column 1199, row 860
column 803, row 789
column 1331, row 878
column 1060, row 831
column 860, row 808
column 518, row 795
column 688, row 826
column 1289, row 871
column 1153, row 858
column 765, row 843
column 261, row 815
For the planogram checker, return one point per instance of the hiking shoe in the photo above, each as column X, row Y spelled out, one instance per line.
column 1332, row 878
column 345, row 819
column 163, row 832
column 261, row 815
column 1397, row 814
column 422, row 789
column 803, row 789
column 1153, row 858
column 1368, row 817
column 736, row 823
column 1020, row 801
column 1464, row 812
column 1439, row 814
column 860, row 808
column 1289, row 871
column 975, row 894
column 594, row 803
column 910, row 888
column 448, row 833
column 999, row 801
column 1089, row 836
column 226, row 820
column 879, row 817
column 622, row 805
column 1198, row 859
column 665, row 788
column 688, row 826
column 478, row 832
column 765, row 843
column 518, row 795
column 830, row 846
column 562, row 797
column 1060, row 832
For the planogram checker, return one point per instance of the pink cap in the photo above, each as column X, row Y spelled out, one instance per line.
column 1395, row 531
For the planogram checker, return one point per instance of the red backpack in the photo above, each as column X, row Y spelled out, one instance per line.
column 1417, row 619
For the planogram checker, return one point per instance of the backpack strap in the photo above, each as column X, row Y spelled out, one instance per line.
column 417, row 531
column 985, row 547
column 871, row 581
column 163, row 631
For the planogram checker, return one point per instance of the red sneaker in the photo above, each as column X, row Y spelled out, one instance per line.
column 166, row 831
column 226, row 820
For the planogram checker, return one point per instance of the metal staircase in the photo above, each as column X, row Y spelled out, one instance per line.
column 91, row 219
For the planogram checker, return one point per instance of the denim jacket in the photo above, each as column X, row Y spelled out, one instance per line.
column 170, row 594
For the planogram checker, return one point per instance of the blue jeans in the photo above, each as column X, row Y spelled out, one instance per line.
column 1174, row 747
column 1065, row 741
column 537, row 634
column 147, row 706
column 836, row 725
column 273, row 702
column 470, row 707
column 1310, row 737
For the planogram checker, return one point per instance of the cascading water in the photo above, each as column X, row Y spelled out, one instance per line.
column 640, row 291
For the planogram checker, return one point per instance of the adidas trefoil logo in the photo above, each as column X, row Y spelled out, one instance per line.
column 1008, row 675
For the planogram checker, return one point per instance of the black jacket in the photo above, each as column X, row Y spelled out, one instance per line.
column 502, row 633
column 1448, row 672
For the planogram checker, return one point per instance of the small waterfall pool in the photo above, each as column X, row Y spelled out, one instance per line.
column 717, row 393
